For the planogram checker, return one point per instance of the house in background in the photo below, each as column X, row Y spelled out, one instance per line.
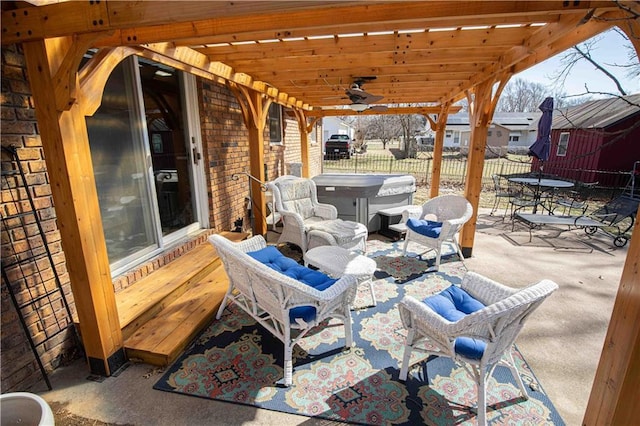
column 600, row 135
column 521, row 126
column 508, row 131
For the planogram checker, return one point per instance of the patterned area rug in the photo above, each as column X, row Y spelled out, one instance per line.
column 238, row 361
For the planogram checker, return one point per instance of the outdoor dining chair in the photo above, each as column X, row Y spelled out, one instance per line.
column 575, row 199
column 475, row 324
column 522, row 197
column 502, row 191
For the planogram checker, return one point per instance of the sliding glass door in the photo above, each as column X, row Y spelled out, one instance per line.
column 144, row 161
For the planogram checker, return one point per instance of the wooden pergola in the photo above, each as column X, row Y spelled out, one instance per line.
column 425, row 56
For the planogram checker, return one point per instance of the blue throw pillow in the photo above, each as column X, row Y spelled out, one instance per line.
column 425, row 227
column 454, row 303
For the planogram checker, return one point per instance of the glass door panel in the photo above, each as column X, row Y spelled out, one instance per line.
column 170, row 155
column 119, row 152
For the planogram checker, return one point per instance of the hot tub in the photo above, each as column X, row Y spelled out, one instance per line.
column 358, row 197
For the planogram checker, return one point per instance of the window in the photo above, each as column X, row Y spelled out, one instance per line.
column 563, row 143
column 275, row 123
column 514, row 138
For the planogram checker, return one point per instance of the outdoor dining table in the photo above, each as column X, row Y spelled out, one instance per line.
column 541, row 185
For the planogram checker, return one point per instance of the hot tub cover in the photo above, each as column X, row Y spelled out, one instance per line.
column 366, row 185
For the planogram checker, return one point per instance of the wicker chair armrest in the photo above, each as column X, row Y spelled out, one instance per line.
column 481, row 324
column 324, row 238
column 326, row 211
column 485, row 289
column 411, row 212
column 458, row 222
column 254, row 243
column 296, row 218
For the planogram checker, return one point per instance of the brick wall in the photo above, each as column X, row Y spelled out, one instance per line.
column 293, row 151
column 225, row 141
column 21, row 240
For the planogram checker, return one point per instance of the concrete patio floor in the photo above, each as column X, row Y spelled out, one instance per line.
column 561, row 342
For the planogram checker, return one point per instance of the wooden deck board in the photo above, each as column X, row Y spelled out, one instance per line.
column 163, row 338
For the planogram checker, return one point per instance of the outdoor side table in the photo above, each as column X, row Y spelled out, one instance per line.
column 337, row 261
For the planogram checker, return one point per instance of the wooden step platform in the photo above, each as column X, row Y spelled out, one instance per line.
column 163, row 338
column 161, row 313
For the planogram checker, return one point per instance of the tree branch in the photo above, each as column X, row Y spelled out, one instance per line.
column 601, row 69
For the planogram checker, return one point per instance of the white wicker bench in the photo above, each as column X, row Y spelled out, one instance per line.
column 285, row 306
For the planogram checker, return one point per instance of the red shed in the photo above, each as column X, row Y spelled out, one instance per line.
column 595, row 137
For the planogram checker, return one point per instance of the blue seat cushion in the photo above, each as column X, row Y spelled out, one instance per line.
column 274, row 259
column 454, row 303
column 425, row 227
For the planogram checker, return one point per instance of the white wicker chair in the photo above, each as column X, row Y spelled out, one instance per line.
column 497, row 325
column 452, row 211
column 308, row 223
column 269, row 296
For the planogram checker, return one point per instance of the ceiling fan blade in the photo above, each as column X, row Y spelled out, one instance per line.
column 378, row 108
column 359, row 96
column 373, row 98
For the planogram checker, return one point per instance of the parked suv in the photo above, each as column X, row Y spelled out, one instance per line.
column 338, row 146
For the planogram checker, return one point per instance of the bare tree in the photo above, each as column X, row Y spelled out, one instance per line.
column 410, row 123
column 522, row 96
column 584, row 52
column 383, row 127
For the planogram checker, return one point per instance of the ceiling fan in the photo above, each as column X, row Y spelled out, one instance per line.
column 360, row 99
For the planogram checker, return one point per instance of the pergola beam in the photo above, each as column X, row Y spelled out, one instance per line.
column 446, row 40
column 150, row 22
column 390, row 111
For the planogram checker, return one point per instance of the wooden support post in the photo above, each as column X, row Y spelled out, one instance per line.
column 481, row 108
column 304, row 129
column 438, row 145
column 614, row 395
column 66, row 146
column 255, row 109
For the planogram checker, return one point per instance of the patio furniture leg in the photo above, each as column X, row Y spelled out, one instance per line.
column 288, row 358
column 404, row 247
column 404, row 368
column 482, row 396
column 459, row 249
column 437, row 265
column 373, row 294
column 224, row 302
column 348, row 329
column 516, row 375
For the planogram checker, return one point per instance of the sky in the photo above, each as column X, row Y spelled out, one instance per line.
column 609, row 50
